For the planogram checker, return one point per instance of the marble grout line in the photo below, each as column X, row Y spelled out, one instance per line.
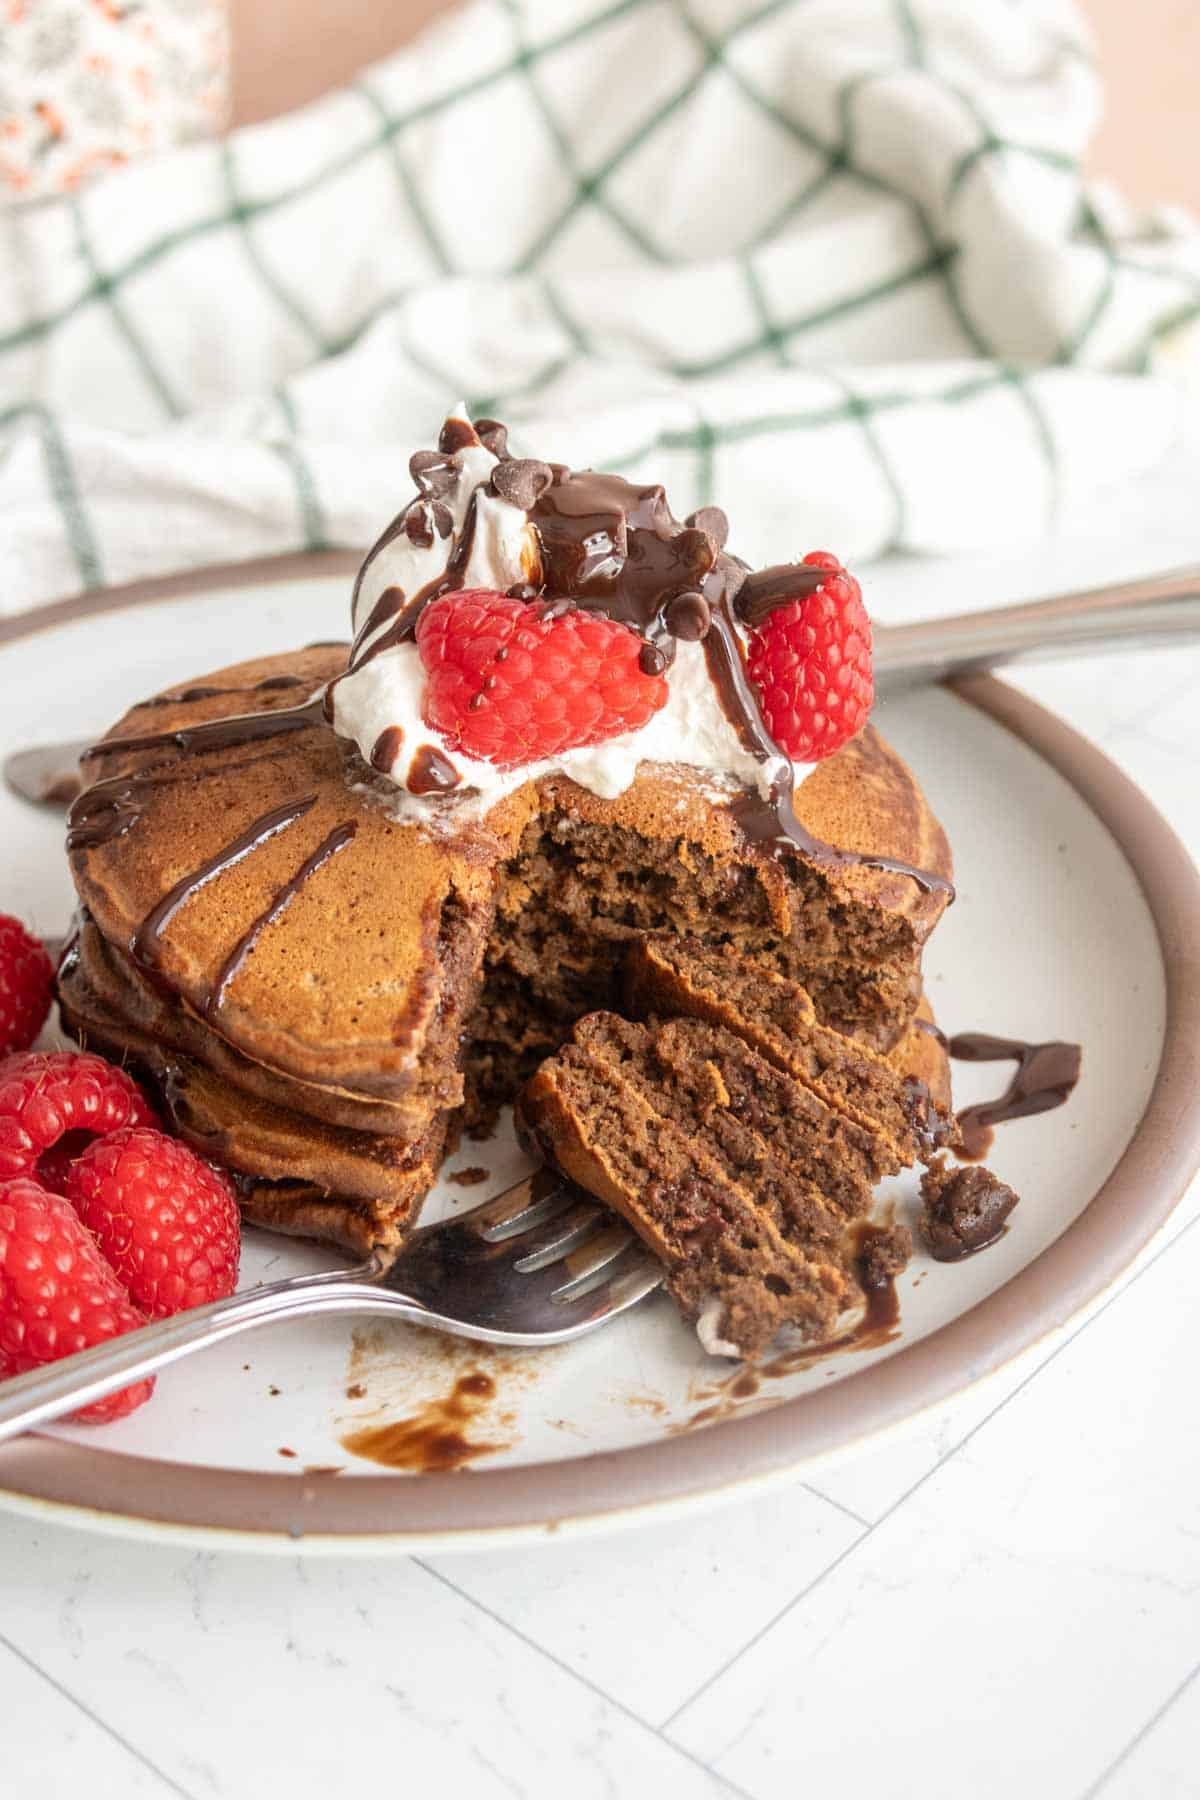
column 840, row 1505
column 722, row 1782
column 849, row 1551
column 1140, row 1736
column 95, row 1719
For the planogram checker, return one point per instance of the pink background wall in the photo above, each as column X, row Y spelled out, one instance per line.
column 1150, row 50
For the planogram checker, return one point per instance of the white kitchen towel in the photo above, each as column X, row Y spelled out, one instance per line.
column 829, row 262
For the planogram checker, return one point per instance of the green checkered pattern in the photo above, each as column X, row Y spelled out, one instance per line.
column 830, row 262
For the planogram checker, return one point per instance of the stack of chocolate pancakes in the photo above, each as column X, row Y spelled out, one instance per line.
column 323, row 987
column 313, row 986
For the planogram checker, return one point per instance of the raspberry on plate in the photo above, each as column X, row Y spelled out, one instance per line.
column 46, row 1094
column 167, row 1222
column 57, row 1293
column 810, row 662
column 26, row 978
column 509, row 684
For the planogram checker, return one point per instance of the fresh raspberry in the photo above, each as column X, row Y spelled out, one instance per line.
column 510, row 686
column 26, row 978
column 54, row 1165
column 811, row 664
column 166, row 1221
column 57, row 1293
column 46, row 1094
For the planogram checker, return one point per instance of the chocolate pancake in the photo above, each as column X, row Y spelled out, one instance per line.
column 324, row 974
column 99, row 982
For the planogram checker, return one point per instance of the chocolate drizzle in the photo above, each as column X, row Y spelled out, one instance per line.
column 219, row 734
column 48, row 774
column 388, row 605
column 1045, row 1077
column 457, row 434
column 190, row 695
column 146, row 942
column 391, row 604
column 386, row 748
column 108, row 808
column 329, row 846
column 431, row 772
column 765, row 589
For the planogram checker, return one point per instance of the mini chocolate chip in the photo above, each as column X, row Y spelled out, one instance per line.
column 493, row 436
column 417, row 528
column 555, row 609
column 695, row 552
column 432, row 472
column 653, row 659
column 521, row 481
column 443, row 518
column 713, row 522
column 522, row 590
column 689, row 616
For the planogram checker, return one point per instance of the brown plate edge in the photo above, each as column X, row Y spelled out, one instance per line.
column 480, row 1508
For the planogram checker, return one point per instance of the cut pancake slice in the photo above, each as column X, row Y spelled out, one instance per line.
column 814, row 1167
column 728, row 1263
column 680, row 975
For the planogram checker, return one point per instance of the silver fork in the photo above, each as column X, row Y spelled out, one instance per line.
column 537, row 1264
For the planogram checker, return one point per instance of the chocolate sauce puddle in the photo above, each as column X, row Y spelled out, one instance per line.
column 1045, row 1077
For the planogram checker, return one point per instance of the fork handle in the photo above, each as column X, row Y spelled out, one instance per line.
column 45, row 1394
column 1148, row 613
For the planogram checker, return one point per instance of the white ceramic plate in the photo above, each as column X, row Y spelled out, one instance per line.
column 1054, row 935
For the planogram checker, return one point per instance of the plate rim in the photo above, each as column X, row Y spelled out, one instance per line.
column 114, row 1492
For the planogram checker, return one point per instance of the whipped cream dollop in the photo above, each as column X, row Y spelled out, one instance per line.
column 469, row 528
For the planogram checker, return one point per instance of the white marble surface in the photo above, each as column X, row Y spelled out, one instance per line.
column 1003, row 1598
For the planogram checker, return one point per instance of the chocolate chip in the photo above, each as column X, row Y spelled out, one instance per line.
column 695, row 552
column 522, row 590
column 689, row 616
column 555, row 609
column 493, row 436
column 521, row 480
column 653, row 659
column 443, row 518
column 713, row 522
column 433, row 473
column 417, row 528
